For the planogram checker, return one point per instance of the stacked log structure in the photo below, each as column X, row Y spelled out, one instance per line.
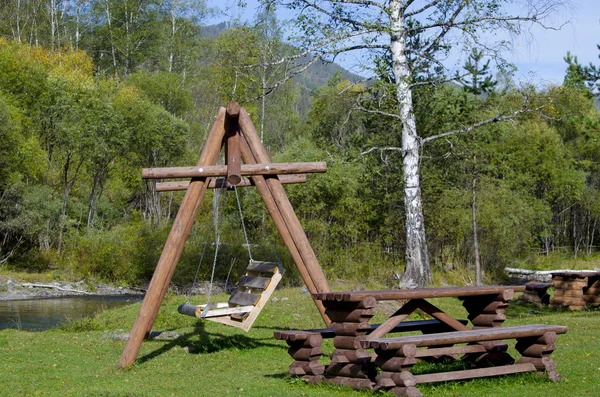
column 573, row 290
column 591, row 294
column 487, row 311
column 537, row 350
column 305, row 349
column 536, row 293
column 395, row 376
column 351, row 365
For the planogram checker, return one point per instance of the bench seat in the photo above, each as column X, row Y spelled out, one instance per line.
column 396, row 356
column 470, row 336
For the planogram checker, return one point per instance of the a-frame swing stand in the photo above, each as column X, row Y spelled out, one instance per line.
column 232, row 129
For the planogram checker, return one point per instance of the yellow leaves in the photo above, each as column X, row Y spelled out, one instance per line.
column 76, row 66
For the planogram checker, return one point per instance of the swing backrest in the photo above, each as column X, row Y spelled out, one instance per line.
column 258, row 277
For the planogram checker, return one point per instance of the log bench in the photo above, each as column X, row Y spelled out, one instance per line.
column 305, row 345
column 396, row 356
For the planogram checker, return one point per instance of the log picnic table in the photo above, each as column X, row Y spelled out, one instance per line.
column 575, row 289
column 389, row 367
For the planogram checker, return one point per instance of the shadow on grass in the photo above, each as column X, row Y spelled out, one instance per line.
column 202, row 342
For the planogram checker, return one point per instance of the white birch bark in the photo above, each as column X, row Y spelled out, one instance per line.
column 417, row 272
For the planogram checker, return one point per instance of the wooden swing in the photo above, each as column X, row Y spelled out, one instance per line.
column 232, row 129
column 246, row 302
column 253, row 290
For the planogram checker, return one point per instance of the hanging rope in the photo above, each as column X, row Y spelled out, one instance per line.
column 217, row 244
column 237, row 197
column 264, row 230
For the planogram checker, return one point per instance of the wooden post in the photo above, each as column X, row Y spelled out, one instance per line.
column 233, row 156
column 285, row 207
column 316, row 277
column 174, row 245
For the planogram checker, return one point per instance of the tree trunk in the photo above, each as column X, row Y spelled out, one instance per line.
column 417, row 272
column 475, row 238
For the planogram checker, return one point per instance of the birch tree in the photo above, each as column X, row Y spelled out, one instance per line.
column 410, row 33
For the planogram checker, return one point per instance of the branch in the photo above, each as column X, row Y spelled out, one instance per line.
column 332, row 15
column 491, row 120
column 363, row 3
column 420, row 10
column 382, row 149
column 379, row 112
column 445, row 28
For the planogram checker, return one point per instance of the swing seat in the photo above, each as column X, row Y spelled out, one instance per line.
column 246, row 302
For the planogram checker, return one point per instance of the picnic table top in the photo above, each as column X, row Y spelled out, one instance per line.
column 417, row 293
column 576, row 273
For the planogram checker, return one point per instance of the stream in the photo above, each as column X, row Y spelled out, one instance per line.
column 44, row 314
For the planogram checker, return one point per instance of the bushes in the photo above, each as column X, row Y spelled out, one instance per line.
column 126, row 253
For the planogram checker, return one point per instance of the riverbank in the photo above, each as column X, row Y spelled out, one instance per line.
column 14, row 289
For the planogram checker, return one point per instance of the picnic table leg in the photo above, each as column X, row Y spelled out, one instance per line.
column 537, row 352
column 350, row 364
column 395, row 376
column 568, row 291
column 487, row 311
column 591, row 293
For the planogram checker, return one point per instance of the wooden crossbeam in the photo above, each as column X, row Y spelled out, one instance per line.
column 218, row 183
column 246, row 169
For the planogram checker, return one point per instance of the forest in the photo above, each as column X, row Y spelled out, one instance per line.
column 92, row 91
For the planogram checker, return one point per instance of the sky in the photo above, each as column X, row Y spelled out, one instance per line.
column 538, row 55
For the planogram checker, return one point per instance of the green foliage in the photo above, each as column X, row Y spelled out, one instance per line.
column 123, row 254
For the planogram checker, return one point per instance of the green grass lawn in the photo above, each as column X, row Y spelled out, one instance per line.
column 81, row 360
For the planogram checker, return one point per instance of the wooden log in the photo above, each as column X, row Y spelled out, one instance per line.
column 358, row 356
column 475, row 373
column 548, row 338
column 368, row 302
column 300, row 338
column 569, row 284
column 355, row 316
column 347, row 342
column 350, row 370
column 283, row 216
column 246, row 169
column 233, row 156
column 486, row 303
column 355, row 383
column 536, row 350
column 541, row 364
column 384, row 380
column 350, row 328
column 591, row 299
column 488, row 320
column 404, row 378
column 394, row 364
column 450, row 351
column 476, row 335
column 570, row 293
column 174, row 246
column 283, row 203
column 300, row 353
column 300, row 368
column 218, row 183
column 424, row 293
